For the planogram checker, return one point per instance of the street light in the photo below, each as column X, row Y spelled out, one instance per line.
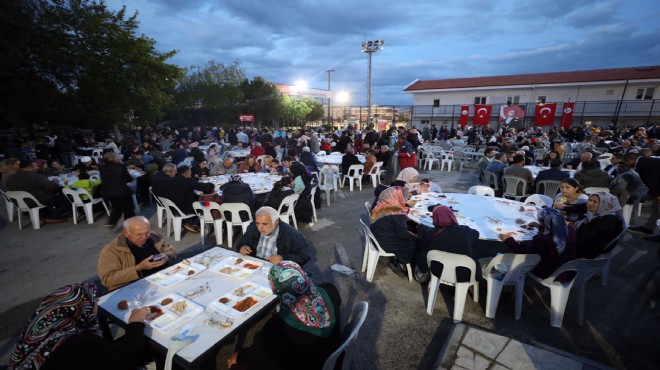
column 370, row 47
column 301, row 85
column 329, row 98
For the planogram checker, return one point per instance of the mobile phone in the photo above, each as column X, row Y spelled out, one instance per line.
column 158, row 257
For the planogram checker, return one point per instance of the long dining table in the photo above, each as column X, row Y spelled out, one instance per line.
column 206, row 298
column 260, row 183
column 490, row 216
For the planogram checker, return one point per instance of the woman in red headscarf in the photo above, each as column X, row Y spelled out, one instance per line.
column 448, row 236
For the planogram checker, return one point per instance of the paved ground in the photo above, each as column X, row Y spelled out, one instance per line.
column 618, row 330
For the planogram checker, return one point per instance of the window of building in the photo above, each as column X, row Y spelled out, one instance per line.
column 609, row 92
column 541, row 99
column 479, row 100
column 436, row 102
column 645, row 94
column 513, row 99
column 424, row 121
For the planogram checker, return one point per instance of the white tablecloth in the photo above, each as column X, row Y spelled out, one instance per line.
column 336, row 159
column 488, row 215
column 536, row 169
column 203, row 336
column 238, row 153
column 260, row 183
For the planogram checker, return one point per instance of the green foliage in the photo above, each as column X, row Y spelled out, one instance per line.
column 317, row 112
column 261, row 99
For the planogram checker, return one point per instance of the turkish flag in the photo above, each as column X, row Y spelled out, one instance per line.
column 544, row 115
column 481, row 114
column 465, row 112
column 567, row 114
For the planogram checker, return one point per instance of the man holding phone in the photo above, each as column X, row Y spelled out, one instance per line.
column 135, row 253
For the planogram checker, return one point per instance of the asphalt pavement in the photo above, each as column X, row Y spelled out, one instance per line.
column 619, row 329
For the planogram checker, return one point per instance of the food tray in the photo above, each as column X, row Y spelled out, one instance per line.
column 172, row 318
column 252, row 292
column 237, row 267
column 176, row 274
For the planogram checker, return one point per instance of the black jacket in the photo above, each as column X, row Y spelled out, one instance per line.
column 592, row 237
column 291, row 243
column 649, row 171
column 181, row 191
column 238, row 192
column 114, row 177
column 392, row 234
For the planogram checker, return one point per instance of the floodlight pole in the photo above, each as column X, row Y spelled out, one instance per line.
column 329, row 98
column 370, row 47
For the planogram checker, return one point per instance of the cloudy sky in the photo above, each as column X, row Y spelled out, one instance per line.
column 288, row 40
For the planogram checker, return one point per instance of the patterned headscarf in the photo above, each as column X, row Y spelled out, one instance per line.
column 608, row 204
column 392, row 198
column 555, row 224
column 65, row 312
column 304, row 306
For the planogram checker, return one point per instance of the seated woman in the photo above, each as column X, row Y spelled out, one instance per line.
column 249, row 165
column 281, row 190
column 603, row 223
column 201, row 170
column 302, row 184
column 409, row 175
column 571, row 199
column 388, row 224
column 592, row 176
column 308, row 159
column 448, row 236
column 303, row 333
column 64, row 334
column 348, row 160
column 555, row 242
column 549, row 157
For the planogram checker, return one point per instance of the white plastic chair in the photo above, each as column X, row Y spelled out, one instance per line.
column 74, row 196
column 605, row 160
column 491, row 180
column 204, row 212
column 328, row 182
column 10, row 206
column 559, row 291
column 312, row 194
column 519, row 265
column 481, row 190
column 354, row 175
column 260, row 159
column 446, row 158
column 511, row 186
column 160, row 209
column 287, row 209
column 550, row 187
column 430, row 159
column 610, row 250
column 450, row 262
column 235, row 210
column 375, row 173
column 321, row 153
column 18, row 199
column 174, row 222
column 596, row 189
column 354, row 324
column 97, row 154
column 538, row 200
column 421, row 155
column 367, row 241
column 375, row 252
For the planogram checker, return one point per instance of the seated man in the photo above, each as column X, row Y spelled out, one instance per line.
column 275, row 241
column 228, row 167
column 181, row 191
column 497, row 166
column 47, row 192
column 160, row 179
column 554, row 173
column 384, row 156
column 135, row 253
column 517, row 168
column 489, row 153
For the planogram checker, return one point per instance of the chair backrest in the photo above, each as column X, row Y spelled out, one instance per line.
column 371, row 240
column 605, row 160
column 232, row 212
column 204, row 210
column 355, row 170
column 23, row 200
column 354, row 324
column 538, row 200
column 450, row 262
column 582, row 267
column 367, row 205
column 596, row 189
column 512, row 184
column 321, row 153
column 481, row 190
column 160, row 204
column 612, row 243
column 171, row 208
column 550, row 187
column 490, row 179
column 74, row 195
column 375, row 170
column 288, row 204
column 4, row 195
column 518, row 265
column 569, row 156
column 260, row 159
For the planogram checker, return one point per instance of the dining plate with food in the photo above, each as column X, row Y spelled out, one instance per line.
column 175, row 274
column 241, row 299
column 171, row 311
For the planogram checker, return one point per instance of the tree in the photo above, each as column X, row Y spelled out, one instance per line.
column 316, row 109
column 261, row 99
column 294, row 110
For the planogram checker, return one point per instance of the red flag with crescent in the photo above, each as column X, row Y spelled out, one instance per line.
column 481, row 114
column 544, row 114
column 465, row 113
column 567, row 114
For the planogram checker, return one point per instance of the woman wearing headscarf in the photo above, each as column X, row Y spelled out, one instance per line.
column 409, row 175
column 64, row 334
column 302, row 184
column 603, row 222
column 388, row 224
column 447, row 235
column 303, row 333
column 555, row 242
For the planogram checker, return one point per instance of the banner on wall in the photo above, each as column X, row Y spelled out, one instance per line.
column 481, row 114
column 465, row 113
column 567, row 114
column 544, row 114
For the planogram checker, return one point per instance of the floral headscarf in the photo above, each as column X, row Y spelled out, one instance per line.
column 304, row 306
column 555, row 224
column 65, row 312
column 392, row 198
column 443, row 217
column 608, row 204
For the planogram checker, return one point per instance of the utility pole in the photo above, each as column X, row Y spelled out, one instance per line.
column 370, row 47
column 330, row 120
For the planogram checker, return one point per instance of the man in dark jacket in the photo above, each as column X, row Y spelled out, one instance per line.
column 47, row 192
column 181, row 191
column 115, row 178
column 236, row 191
column 648, row 169
column 275, row 241
column 554, row 173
